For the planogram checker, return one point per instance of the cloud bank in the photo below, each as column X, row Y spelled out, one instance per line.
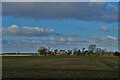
column 14, row 30
column 54, row 1
column 104, row 41
column 86, row 11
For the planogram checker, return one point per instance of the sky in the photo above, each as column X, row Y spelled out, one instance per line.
column 26, row 26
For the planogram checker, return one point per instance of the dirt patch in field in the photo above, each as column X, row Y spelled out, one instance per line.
column 15, row 55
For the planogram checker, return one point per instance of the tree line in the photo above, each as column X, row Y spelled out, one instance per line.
column 92, row 51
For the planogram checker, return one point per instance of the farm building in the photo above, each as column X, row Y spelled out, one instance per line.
column 42, row 51
column 62, row 52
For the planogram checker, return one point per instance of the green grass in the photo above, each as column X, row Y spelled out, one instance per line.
column 60, row 67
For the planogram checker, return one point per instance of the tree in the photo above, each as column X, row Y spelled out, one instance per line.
column 78, row 52
column 117, row 53
column 83, row 49
column 69, row 52
column 92, row 48
column 75, row 51
column 56, row 51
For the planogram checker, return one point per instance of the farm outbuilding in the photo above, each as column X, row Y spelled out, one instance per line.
column 42, row 51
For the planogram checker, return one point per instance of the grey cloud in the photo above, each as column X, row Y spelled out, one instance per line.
column 54, row 1
column 63, row 39
column 26, row 41
column 66, row 35
column 63, row 42
column 68, row 40
column 85, row 39
column 4, row 41
column 106, row 40
column 62, row 10
column 104, row 28
column 14, row 30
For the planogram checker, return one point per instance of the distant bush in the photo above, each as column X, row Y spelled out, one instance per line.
column 117, row 53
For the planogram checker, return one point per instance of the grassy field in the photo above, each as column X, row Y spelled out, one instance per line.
column 60, row 67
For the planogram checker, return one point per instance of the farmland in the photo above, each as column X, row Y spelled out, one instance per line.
column 60, row 66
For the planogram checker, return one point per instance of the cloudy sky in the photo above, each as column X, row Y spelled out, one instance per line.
column 59, row 0
column 63, row 25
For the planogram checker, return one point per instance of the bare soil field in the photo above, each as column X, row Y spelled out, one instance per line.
column 60, row 67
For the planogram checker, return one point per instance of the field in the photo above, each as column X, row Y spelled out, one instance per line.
column 60, row 66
